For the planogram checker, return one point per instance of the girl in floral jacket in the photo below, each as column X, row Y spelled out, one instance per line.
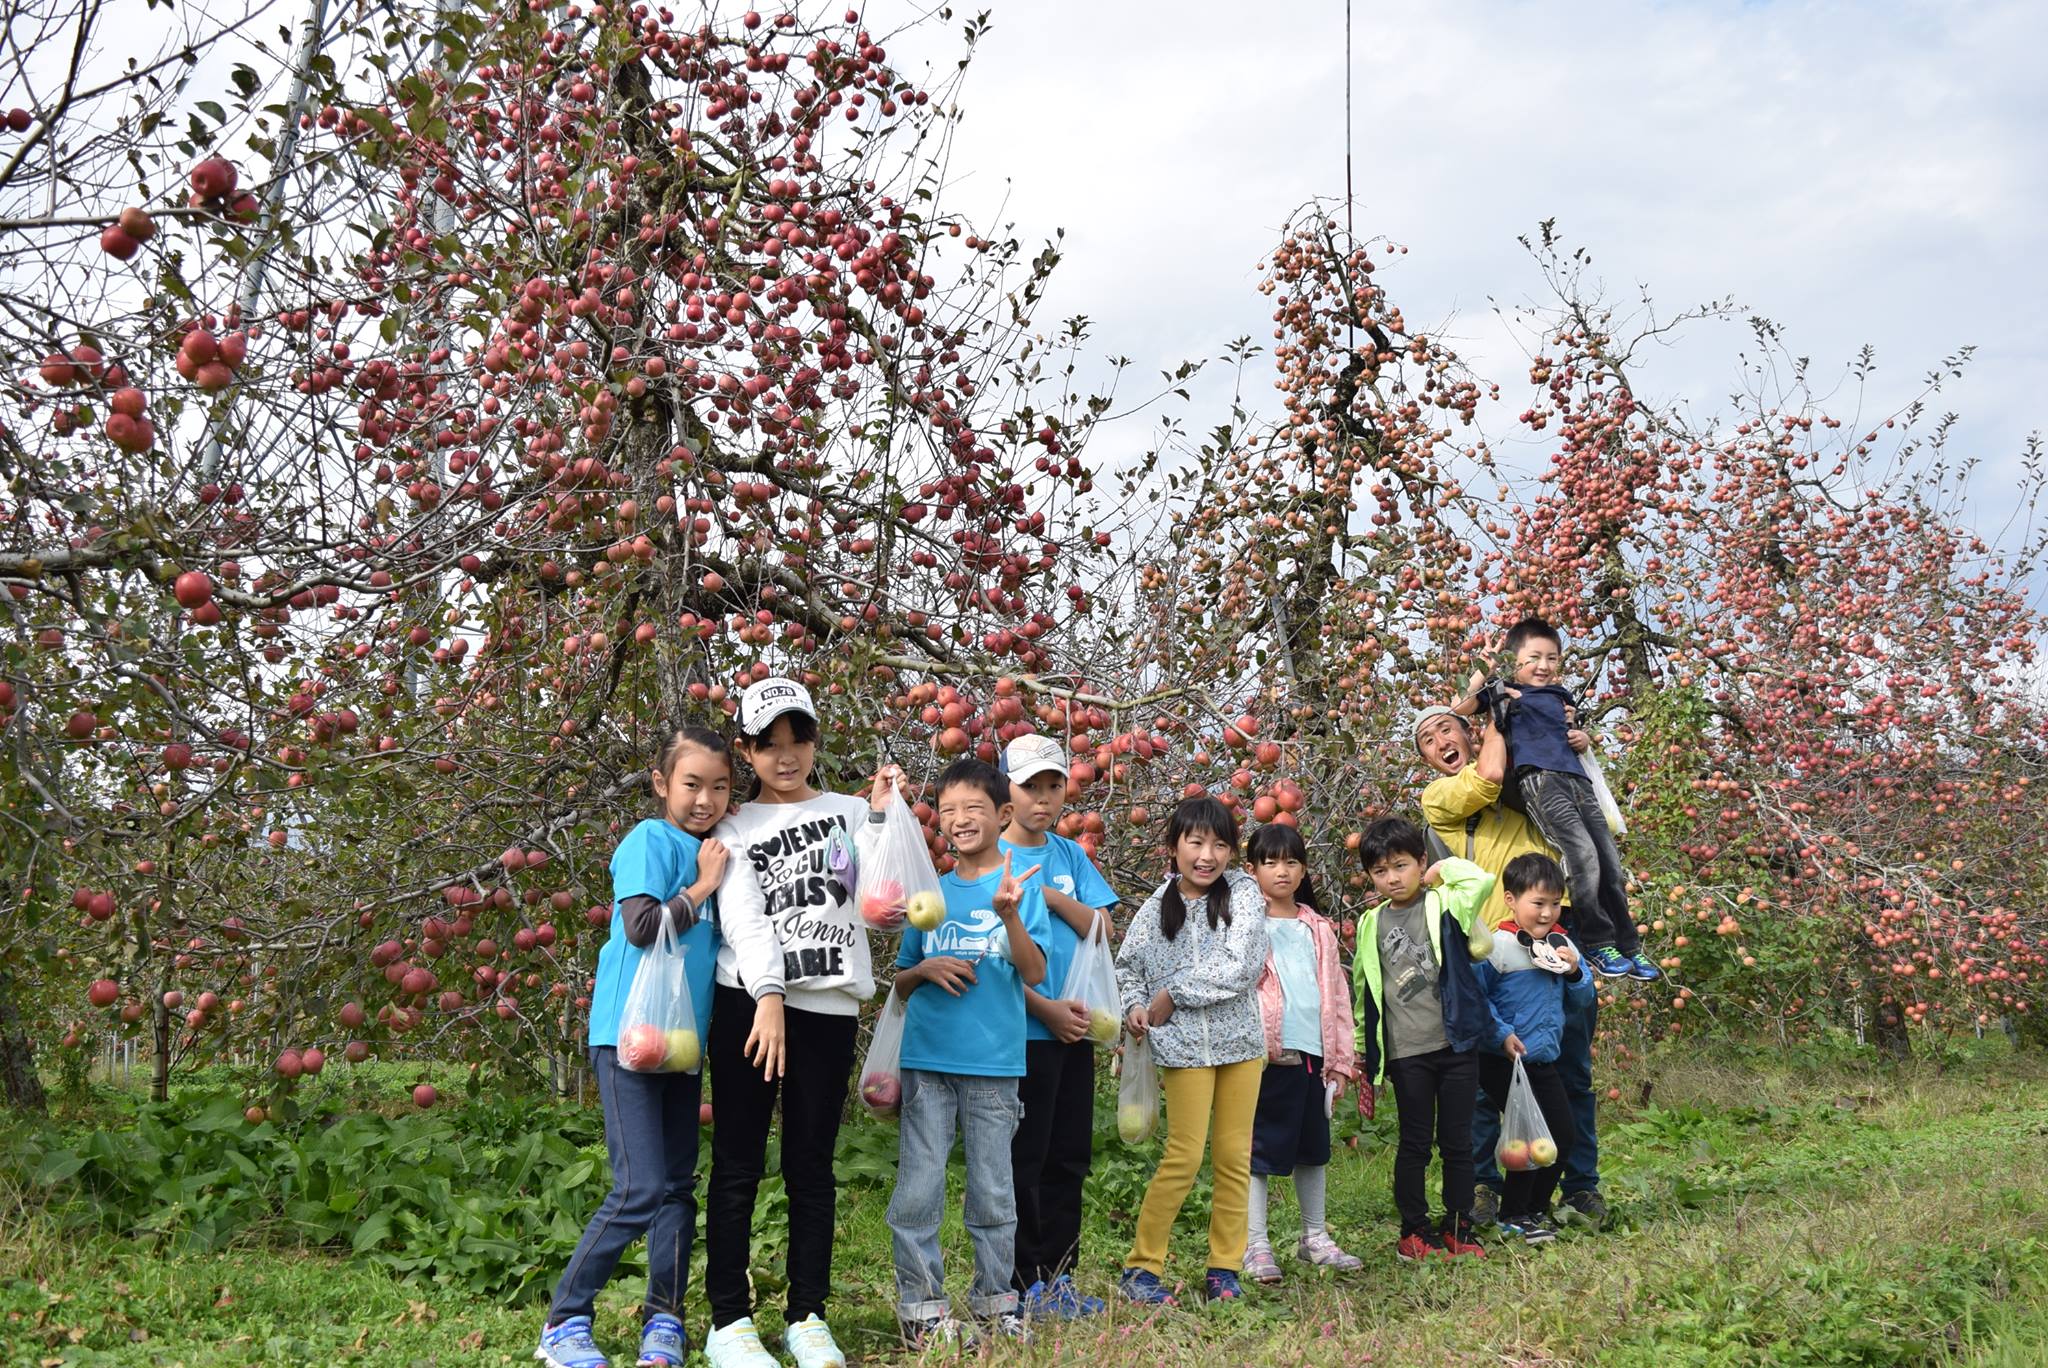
column 1187, row 971
column 1311, row 1052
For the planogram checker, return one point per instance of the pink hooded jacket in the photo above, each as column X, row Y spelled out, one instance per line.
column 1340, row 1047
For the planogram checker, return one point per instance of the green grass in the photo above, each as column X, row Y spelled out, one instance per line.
column 1781, row 1212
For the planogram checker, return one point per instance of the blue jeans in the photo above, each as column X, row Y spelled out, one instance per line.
column 1575, row 1071
column 650, row 1132
column 987, row 1113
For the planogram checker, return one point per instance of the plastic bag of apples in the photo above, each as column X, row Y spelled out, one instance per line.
column 1525, row 1141
column 895, row 881
column 658, row 1023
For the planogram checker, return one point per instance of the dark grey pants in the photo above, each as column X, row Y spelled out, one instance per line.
column 1568, row 816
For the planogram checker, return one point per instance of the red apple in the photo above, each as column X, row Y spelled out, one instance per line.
column 313, row 1060
column 703, row 1113
column 643, row 1047
column 103, row 993
column 214, row 178
column 136, row 224
column 19, row 120
column 290, row 1065
column 1513, row 1154
column 81, row 725
column 882, row 1093
column 424, row 1096
column 192, row 589
column 118, row 244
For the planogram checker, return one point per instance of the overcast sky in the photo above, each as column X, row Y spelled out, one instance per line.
column 1870, row 172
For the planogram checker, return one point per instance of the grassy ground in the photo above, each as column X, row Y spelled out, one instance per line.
column 1787, row 1214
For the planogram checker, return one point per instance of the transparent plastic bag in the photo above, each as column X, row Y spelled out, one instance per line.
column 1525, row 1141
column 881, row 1072
column 895, row 880
column 1137, row 1093
column 658, row 1023
column 1091, row 981
column 1602, row 795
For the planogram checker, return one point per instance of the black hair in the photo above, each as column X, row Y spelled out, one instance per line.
column 1528, row 629
column 1391, row 836
column 975, row 774
column 1204, row 816
column 690, row 734
column 1279, row 841
column 803, row 731
column 1532, row 870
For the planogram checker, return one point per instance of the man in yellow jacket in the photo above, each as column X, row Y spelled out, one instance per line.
column 1463, row 811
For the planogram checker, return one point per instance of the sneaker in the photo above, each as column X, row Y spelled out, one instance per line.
column 1059, row 1299
column 1485, row 1205
column 1584, row 1208
column 1639, row 967
column 569, row 1345
column 1419, row 1245
column 663, row 1343
column 1220, row 1284
column 738, row 1346
column 1007, row 1325
column 937, row 1332
column 810, row 1343
column 1259, row 1264
column 1459, row 1244
column 1537, row 1230
column 1609, row 962
column 1324, row 1252
column 1143, row 1286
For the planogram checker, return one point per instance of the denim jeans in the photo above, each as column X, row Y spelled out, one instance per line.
column 1568, row 816
column 1575, row 1071
column 650, row 1132
column 987, row 1113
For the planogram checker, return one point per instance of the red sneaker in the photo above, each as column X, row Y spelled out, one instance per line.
column 1417, row 1247
column 1460, row 1244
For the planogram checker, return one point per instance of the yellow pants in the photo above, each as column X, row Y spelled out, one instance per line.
column 1231, row 1093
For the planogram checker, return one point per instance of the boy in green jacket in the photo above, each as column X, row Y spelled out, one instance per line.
column 1421, row 1018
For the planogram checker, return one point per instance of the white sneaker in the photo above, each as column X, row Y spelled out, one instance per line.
column 810, row 1342
column 738, row 1346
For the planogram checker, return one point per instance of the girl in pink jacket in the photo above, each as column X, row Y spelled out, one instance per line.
column 1311, row 1051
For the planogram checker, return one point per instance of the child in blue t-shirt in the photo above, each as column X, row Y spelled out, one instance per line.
column 963, row 983
column 663, row 868
column 1051, row 1153
column 1538, row 715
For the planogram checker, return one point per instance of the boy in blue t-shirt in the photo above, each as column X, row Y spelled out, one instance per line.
column 1537, row 714
column 1055, row 1141
column 963, row 983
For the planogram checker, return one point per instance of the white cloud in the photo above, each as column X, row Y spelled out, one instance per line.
column 1872, row 172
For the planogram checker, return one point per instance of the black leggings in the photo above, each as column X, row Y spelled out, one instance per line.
column 813, row 1094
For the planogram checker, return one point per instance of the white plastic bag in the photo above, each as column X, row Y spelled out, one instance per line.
column 1091, row 981
column 658, row 1023
column 1137, row 1093
column 896, row 882
column 1525, row 1141
column 881, row 1073
column 1609, row 809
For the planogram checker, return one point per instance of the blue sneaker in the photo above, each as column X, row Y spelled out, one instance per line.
column 1221, row 1285
column 1059, row 1299
column 1609, row 962
column 1639, row 967
column 662, row 1342
column 569, row 1345
column 1143, row 1286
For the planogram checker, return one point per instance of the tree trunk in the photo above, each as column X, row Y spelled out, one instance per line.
column 18, row 1078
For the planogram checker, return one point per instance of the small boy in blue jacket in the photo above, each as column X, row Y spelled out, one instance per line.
column 1533, row 975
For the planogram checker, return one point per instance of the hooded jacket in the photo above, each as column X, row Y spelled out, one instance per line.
column 1340, row 1034
column 1453, row 906
column 1529, row 1001
column 1212, row 975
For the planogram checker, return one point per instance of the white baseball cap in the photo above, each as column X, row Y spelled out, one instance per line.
column 769, row 699
column 1030, row 755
